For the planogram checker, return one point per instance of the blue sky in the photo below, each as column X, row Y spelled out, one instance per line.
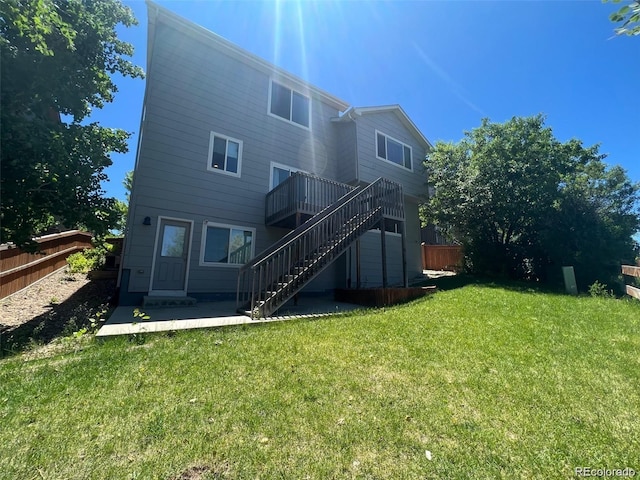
column 449, row 64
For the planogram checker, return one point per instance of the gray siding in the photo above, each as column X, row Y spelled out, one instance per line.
column 370, row 167
column 371, row 260
column 194, row 89
column 414, row 251
column 371, row 254
column 347, row 152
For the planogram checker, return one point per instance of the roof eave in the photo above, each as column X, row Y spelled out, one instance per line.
column 397, row 109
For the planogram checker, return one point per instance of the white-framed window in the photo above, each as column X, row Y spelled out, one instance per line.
column 226, row 245
column 289, row 105
column 393, row 151
column 225, row 154
column 279, row 173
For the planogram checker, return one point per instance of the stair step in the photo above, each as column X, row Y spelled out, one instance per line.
column 149, row 301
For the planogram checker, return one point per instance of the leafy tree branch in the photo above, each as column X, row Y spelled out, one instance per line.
column 57, row 57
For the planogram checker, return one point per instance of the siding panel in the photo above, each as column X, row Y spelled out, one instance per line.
column 371, row 260
column 347, row 151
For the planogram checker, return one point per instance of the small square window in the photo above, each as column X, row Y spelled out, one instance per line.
column 224, row 154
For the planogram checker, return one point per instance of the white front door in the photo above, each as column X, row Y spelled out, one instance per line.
column 171, row 257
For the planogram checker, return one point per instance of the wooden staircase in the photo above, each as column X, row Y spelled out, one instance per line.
column 277, row 274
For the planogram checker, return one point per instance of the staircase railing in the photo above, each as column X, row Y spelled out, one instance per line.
column 278, row 273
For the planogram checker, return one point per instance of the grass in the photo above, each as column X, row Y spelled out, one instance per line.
column 492, row 382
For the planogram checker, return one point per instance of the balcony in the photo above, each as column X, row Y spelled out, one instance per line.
column 299, row 198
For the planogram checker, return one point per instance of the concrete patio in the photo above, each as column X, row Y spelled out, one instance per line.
column 212, row 314
column 221, row 314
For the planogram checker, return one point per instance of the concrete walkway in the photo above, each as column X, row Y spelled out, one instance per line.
column 214, row 314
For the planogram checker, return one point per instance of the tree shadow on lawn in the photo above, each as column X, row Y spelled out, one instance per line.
column 92, row 301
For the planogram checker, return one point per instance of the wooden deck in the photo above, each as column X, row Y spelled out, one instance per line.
column 300, row 197
column 381, row 297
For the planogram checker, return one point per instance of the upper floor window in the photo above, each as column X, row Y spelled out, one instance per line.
column 393, row 151
column 225, row 154
column 289, row 105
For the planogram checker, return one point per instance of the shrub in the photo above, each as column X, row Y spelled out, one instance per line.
column 78, row 263
column 597, row 289
column 89, row 259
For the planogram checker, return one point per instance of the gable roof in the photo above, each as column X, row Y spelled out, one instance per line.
column 353, row 112
column 158, row 14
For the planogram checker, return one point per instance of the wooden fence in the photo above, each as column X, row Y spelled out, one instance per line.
column 441, row 257
column 632, row 271
column 19, row 269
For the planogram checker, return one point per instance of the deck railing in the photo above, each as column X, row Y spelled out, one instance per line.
column 302, row 193
column 278, row 273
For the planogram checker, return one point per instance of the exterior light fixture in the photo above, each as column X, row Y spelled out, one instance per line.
column 146, row 221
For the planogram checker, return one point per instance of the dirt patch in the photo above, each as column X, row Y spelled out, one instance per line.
column 204, row 472
column 56, row 305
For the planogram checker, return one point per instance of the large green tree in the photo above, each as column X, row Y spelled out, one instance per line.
column 57, row 57
column 523, row 203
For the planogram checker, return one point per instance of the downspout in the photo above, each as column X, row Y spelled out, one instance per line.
column 350, row 113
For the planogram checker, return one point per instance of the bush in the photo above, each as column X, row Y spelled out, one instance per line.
column 78, row 263
column 89, row 259
column 597, row 289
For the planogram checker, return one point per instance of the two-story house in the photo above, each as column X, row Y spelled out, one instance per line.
column 236, row 154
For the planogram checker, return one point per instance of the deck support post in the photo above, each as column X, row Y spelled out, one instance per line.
column 405, row 275
column 383, row 246
column 358, row 279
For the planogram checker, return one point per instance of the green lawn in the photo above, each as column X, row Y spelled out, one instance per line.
column 492, row 382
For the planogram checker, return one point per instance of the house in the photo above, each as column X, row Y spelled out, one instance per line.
column 236, row 154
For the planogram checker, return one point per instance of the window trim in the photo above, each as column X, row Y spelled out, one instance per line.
column 375, row 144
column 292, row 90
column 212, row 136
column 230, row 227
